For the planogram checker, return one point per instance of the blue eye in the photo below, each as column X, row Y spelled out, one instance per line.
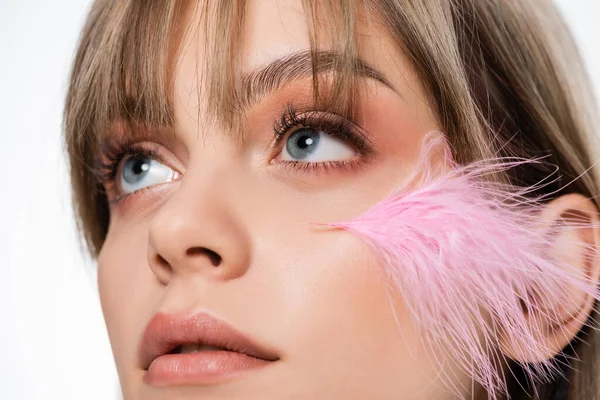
column 140, row 171
column 313, row 145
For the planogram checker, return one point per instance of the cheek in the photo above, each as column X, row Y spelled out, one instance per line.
column 335, row 289
column 341, row 325
column 126, row 288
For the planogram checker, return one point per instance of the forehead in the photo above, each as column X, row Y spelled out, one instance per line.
column 275, row 29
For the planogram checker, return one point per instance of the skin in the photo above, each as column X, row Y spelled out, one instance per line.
column 315, row 296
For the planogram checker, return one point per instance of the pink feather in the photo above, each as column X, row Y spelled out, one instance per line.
column 469, row 255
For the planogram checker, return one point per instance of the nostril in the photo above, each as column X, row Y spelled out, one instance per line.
column 160, row 267
column 162, row 262
column 215, row 258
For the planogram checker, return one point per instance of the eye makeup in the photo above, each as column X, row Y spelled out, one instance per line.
column 116, row 151
column 113, row 156
column 342, row 129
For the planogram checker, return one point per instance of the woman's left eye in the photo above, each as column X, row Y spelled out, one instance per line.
column 140, row 171
column 314, row 145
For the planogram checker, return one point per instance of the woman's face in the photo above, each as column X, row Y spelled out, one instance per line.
column 220, row 225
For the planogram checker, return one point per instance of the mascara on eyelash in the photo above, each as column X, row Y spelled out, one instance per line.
column 111, row 155
column 332, row 124
column 114, row 152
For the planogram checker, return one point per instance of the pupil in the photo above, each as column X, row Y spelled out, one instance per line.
column 304, row 141
column 140, row 166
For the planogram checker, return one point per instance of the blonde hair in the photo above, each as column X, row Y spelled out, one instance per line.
column 504, row 78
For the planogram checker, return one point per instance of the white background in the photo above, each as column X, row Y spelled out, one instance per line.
column 53, row 343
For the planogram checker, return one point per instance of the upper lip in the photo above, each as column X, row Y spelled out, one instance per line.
column 165, row 332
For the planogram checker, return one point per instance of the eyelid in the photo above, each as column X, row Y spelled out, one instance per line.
column 330, row 123
column 114, row 155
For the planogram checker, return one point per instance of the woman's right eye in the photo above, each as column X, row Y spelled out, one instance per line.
column 140, row 171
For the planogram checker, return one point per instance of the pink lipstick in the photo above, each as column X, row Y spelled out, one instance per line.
column 197, row 349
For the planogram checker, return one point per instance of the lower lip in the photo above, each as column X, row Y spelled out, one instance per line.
column 200, row 368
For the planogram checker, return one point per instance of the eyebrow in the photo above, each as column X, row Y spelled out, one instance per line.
column 266, row 80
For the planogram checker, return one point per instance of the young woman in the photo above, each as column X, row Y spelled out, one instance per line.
column 207, row 141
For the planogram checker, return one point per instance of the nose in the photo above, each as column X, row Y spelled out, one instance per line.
column 197, row 232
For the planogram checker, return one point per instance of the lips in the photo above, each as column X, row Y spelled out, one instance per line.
column 223, row 350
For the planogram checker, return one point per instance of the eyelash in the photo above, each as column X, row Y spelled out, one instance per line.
column 113, row 152
column 332, row 124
